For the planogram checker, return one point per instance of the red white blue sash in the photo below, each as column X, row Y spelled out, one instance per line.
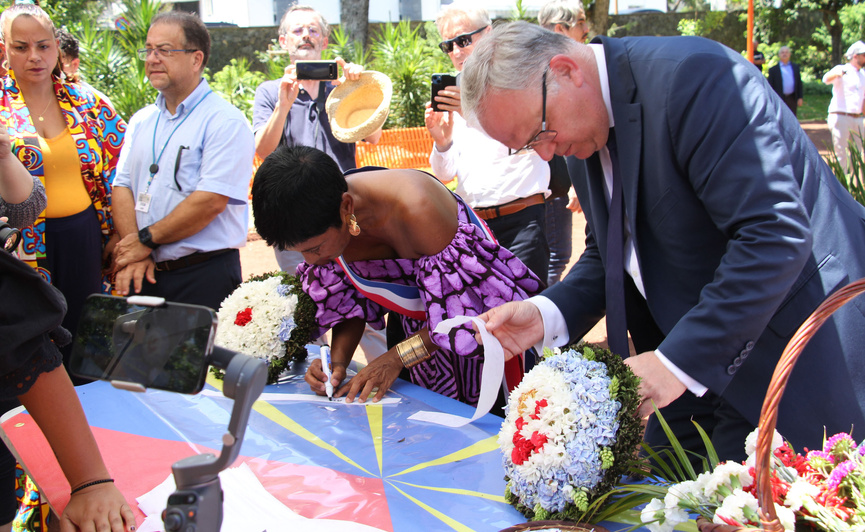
column 400, row 298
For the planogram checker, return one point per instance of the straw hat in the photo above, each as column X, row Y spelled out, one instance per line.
column 357, row 108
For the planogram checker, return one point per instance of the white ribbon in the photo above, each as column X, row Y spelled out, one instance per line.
column 492, row 375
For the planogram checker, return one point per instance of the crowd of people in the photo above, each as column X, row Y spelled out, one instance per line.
column 713, row 225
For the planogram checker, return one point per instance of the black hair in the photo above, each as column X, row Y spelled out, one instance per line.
column 194, row 31
column 296, row 195
column 68, row 44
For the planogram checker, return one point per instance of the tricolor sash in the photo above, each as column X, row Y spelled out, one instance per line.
column 406, row 300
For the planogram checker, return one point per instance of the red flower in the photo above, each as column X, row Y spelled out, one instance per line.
column 243, row 317
column 538, row 440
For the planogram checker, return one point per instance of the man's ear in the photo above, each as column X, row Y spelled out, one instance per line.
column 282, row 43
column 565, row 67
column 346, row 206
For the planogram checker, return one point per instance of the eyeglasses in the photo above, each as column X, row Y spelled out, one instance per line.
column 545, row 134
column 312, row 30
column 460, row 40
column 161, row 53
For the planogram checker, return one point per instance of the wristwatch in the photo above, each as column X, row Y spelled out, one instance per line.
column 145, row 238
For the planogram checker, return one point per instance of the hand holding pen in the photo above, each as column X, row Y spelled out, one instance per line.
column 326, row 368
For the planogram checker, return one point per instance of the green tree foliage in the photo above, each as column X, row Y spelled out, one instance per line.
column 236, row 83
column 109, row 59
column 702, row 26
column 409, row 61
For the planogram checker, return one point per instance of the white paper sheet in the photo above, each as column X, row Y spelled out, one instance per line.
column 309, row 398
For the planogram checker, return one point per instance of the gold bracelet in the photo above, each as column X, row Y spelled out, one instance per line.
column 412, row 351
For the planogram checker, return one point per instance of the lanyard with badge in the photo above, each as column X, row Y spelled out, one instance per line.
column 143, row 203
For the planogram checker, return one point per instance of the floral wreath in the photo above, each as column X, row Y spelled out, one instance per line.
column 570, row 432
column 268, row 317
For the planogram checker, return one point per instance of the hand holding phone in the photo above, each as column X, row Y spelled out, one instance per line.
column 439, row 82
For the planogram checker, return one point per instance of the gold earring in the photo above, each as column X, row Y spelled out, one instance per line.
column 353, row 228
column 6, row 64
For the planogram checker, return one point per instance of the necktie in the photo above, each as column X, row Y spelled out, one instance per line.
column 617, row 328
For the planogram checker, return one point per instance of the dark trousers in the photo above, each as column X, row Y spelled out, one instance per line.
column 522, row 233
column 726, row 427
column 73, row 245
column 207, row 283
column 792, row 102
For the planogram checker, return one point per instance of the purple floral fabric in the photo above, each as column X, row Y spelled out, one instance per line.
column 467, row 278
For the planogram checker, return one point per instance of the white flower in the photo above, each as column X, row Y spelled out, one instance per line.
column 735, row 508
column 787, row 517
column 673, row 511
column 654, row 517
column 259, row 337
column 737, row 470
column 800, row 491
column 751, row 444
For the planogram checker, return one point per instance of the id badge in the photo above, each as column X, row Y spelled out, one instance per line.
column 143, row 203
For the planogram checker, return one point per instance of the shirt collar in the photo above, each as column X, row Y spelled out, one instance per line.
column 190, row 100
column 603, row 76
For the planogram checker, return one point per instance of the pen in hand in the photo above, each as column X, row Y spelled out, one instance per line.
column 325, row 366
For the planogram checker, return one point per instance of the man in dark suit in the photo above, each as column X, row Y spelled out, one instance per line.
column 734, row 230
column 786, row 79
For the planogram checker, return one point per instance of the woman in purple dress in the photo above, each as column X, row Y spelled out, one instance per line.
column 377, row 240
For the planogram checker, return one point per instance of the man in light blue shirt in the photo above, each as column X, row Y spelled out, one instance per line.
column 180, row 195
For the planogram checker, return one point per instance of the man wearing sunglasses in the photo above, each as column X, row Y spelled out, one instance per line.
column 506, row 190
column 731, row 228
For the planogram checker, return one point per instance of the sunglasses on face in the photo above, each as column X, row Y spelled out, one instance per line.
column 460, row 40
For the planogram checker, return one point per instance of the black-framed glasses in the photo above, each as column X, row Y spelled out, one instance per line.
column 161, row 53
column 460, row 40
column 545, row 134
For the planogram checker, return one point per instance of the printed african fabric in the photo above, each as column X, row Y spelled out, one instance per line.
column 468, row 277
column 97, row 131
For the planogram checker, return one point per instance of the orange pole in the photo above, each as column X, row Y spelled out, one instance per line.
column 750, row 49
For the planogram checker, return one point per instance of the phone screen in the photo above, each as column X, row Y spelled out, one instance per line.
column 316, row 70
column 162, row 347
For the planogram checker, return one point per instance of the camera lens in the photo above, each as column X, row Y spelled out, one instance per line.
column 9, row 237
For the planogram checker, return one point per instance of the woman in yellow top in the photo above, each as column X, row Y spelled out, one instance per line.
column 69, row 138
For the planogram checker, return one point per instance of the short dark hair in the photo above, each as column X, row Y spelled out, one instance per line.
column 68, row 44
column 194, row 31
column 296, row 195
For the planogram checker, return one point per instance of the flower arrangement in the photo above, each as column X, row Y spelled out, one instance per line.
column 570, row 432
column 822, row 490
column 268, row 317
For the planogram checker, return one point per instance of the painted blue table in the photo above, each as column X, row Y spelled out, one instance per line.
column 369, row 464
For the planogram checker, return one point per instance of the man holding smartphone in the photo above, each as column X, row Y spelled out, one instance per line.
column 291, row 111
column 507, row 190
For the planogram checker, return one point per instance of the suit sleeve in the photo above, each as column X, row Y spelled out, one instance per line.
column 733, row 146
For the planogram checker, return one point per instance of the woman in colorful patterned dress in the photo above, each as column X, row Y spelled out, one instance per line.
column 70, row 139
column 376, row 240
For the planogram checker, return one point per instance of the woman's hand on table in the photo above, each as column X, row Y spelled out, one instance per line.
column 96, row 508
column 380, row 373
column 316, row 378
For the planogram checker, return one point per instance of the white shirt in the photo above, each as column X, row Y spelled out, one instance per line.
column 486, row 175
column 848, row 89
column 787, row 81
column 555, row 327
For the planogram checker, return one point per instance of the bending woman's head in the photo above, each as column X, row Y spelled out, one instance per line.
column 296, row 195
